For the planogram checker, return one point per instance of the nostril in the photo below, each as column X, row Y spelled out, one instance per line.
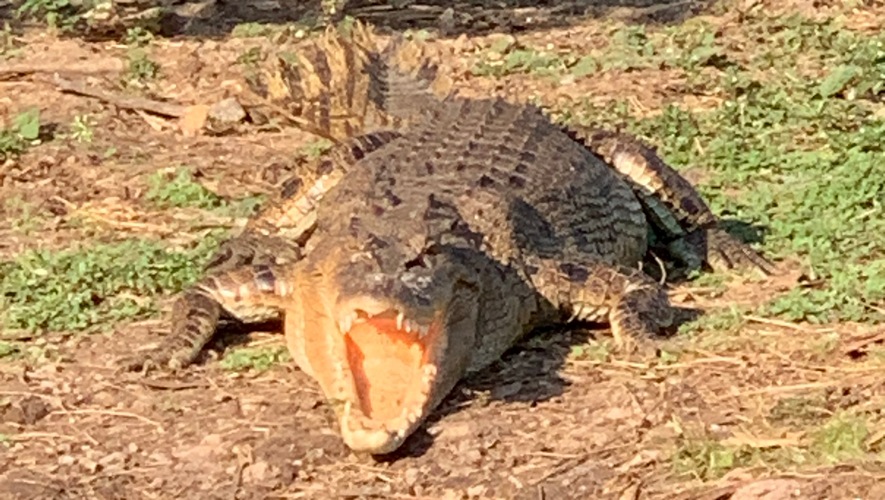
column 417, row 262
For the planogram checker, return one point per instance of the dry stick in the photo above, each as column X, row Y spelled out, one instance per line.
column 138, row 103
column 83, row 67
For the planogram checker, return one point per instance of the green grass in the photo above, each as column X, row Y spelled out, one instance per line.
column 179, row 189
column 94, row 285
column 24, row 130
column 838, row 439
column 799, row 156
column 254, row 358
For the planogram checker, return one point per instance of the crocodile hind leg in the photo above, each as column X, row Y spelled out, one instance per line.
column 633, row 304
column 689, row 229
column 242, row 284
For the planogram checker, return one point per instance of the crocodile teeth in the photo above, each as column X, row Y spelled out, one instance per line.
column 423, row 330
column 429, row 373
column 346, row 322
column 400, row 319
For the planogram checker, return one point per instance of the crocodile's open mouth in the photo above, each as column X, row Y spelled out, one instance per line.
column 392, row 361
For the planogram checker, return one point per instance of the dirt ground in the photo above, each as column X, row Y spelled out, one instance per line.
column 539, row 424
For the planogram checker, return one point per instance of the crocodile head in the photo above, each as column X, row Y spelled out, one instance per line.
column 386, row 333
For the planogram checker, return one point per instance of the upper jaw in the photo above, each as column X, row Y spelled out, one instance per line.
column 360, row 310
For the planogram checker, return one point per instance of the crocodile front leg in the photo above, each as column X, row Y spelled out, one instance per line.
column 690, row 229
column 244, row 284
column 633, row 304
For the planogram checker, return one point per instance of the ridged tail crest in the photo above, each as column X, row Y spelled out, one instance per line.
column 341, row 84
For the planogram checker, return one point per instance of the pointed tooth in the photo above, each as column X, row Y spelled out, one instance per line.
column 407, row 326
column 399, row 321
column 344, row 323
column 347, row 407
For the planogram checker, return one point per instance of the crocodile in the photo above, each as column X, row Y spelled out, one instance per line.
column 435, row 253
column 338, row 86
column 418, row 251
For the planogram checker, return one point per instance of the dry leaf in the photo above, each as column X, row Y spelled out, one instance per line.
column 193, row 119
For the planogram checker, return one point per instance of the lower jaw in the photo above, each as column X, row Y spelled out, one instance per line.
column 365, row 435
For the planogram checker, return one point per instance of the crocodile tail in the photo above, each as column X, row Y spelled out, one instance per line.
column 340, row 85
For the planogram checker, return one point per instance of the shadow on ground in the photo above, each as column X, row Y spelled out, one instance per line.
column 214, row 19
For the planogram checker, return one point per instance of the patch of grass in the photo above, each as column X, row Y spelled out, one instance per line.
column 841, row 438
column 8, row 349
column 314, row 149
column 252, row 30
column 80, row 288
column 138, row 36
column 10, row 47
column 82, row 129
column 507, row 57
column 250, row 58
column 254, row 358
column 705, row 459
column 24, row 131
column 141, row 68
column 598, row 352
column 725, row 322
column 60, row 14
column 180, row 190
column 797, row 156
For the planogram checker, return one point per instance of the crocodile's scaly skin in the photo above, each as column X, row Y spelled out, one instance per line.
column 342, row 87
column 413, row 255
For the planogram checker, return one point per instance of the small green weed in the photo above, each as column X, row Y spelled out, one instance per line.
column 250, row 58
column 842, row 438
column 705, row 459
column 721, row 322
column 25, row 129
column 80, row 288
column 254, row 358
column 60, row 14
column 10, row 47
column 252, row 30
column 180, row 191
column 8, row 349
column 141, row 67
column 314, row 149
column 507, row 58
column 83, row 129
column 138, row 36
column 593, row 351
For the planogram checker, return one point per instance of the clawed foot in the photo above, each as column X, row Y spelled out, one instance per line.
column 725, row 252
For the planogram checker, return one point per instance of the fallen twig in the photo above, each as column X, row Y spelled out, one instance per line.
column 134, row 103
column 91, row 67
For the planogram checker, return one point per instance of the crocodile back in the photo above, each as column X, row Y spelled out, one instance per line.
column 523, row 188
